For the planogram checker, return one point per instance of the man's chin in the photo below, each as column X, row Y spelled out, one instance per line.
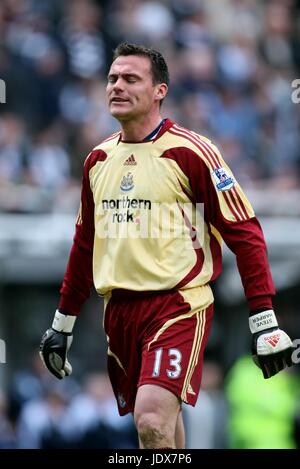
column 120, row 115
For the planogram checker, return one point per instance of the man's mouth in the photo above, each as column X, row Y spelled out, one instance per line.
column 118, row 100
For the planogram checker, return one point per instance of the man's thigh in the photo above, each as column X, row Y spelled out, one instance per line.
column 173, row 358
column 157, row 340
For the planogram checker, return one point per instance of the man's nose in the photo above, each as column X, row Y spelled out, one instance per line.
column 118, row 84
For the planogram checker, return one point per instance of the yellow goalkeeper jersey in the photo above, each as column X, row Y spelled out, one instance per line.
column 153, row 215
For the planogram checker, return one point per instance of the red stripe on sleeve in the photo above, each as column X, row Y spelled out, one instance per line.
column 211, row 158
column 215, row 162
column 233, row 206
column 243, row 208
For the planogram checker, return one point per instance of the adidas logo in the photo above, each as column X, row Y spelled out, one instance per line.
column 273, row 339
column 130, row 161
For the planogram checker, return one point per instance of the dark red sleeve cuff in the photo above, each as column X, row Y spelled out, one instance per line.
column 260, row 302
column 69, row 306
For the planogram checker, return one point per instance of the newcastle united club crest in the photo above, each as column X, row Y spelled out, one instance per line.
column 127, row 182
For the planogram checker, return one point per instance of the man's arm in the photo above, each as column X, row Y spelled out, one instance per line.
column 229, row 211
column 271, row 346
column 76, row 286
column 78, row 279
column 246, row 240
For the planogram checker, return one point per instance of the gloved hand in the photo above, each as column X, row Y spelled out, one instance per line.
column 55, row 344
column 271, row 347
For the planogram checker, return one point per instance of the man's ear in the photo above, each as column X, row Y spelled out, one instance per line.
column 161, row 91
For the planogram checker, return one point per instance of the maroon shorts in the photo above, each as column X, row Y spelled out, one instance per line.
column 155, row 338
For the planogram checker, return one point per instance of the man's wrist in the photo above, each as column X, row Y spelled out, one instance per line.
column 262, row 320
column 63, row 322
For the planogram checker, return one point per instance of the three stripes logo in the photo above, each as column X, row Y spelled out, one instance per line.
column 272, row 339
column 130, row 161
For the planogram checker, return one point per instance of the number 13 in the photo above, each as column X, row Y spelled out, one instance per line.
column 175, row 359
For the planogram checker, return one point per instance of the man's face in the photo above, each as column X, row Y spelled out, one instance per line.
column 130, row 89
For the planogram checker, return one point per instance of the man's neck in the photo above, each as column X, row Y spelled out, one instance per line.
column 136, row 131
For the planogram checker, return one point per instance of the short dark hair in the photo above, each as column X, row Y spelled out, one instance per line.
column 160, row 72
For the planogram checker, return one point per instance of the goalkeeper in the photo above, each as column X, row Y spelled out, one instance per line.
column 157, row 296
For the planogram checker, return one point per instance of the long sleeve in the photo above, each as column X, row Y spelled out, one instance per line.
column 227, row 210
column 78, row 278
column 231, row 214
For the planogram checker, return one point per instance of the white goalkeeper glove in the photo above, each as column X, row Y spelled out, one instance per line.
column 55, row 344
column 271, row 347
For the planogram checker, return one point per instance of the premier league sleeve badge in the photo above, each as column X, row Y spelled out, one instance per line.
column 223, row 180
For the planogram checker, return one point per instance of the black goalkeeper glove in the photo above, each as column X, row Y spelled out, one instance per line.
column 55, row 344
column 271, row 347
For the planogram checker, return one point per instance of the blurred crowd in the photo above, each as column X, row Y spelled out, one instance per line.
column 40, row 412
column 232, row 64
column 239, row 410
